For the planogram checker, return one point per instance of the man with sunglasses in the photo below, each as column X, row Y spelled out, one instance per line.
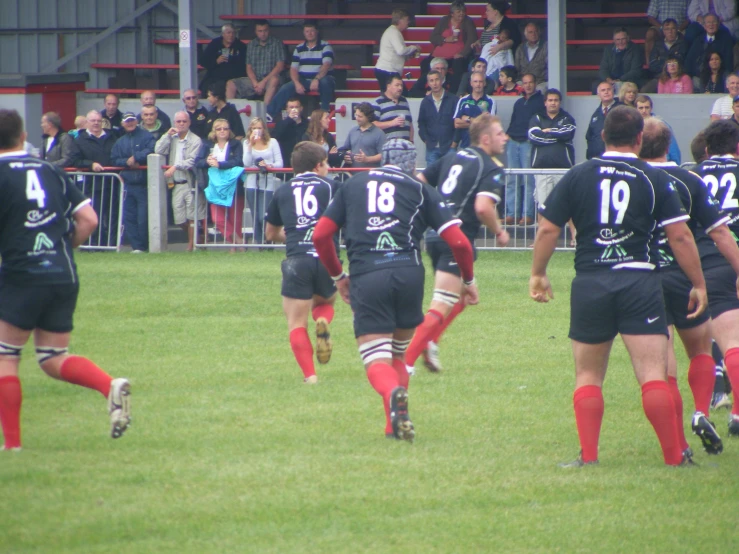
column 198, row 114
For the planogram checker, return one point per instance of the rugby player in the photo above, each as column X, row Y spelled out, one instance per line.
column 43, row 216
column 384, row 213
column 615, row 201
column 306, row 286
column 470, row 182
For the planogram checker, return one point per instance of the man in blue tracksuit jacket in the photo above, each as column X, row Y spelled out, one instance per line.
column 436, row 119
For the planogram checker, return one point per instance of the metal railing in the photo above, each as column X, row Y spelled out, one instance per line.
column 106, row 192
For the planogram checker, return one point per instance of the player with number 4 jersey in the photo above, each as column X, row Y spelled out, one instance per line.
column 306, row 286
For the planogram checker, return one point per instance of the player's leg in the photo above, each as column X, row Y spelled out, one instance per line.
column 12, row 339
column 726, row 333
column 401, row 425
column 677, row 399
column 721, row 387
column 376, row 353
column 297, row 311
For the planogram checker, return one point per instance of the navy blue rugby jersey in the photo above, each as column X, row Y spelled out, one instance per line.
column 37, row 202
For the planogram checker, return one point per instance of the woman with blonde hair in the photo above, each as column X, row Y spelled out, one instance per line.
column 318, row 132
column 627, row 93
column 261, row 152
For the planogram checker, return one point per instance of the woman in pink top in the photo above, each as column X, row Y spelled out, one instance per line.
column 673, row 80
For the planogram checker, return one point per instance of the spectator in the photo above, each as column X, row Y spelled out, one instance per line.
column 724, row 10
column 659, row 14
column 80, row 124
column 151, row 123
column 470, row 107
column 222, row 157
column 363, row 145
column 508, row 85
column 621, row 62
column 393, row 50
column 519, row 193
column 182, row 146
column 317, row 132
column 673, row 80
column 392, row 112
column 496, row 62
column 265, row 62
column 713, row 76
column 131, row 151
column 478, row 65
column 224, row 59
column 593, row 135
column 497, row 20
column 698, row 148
column 627, row 94
column 436, row 119
column 645, row 106
column 223, row 110
column 57, row 146
column 532, row 56
column 261, row 152
column 711, row 38
column 735, row 107
column 198, row 114
column 722, row 108
column 112, row 115
column 290, row 130
column 671, row 45
column 420, row 87
column 148, row 98
column 311, row 70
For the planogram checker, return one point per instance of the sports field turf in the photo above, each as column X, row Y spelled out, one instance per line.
column 230, row 452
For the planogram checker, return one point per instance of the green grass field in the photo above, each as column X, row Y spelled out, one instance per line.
column 230, row 452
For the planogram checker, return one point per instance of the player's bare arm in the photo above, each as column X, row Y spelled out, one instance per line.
column 686, row 253
column 544, row 244
column 488, row 215
column 275, row 233
column 85, row 222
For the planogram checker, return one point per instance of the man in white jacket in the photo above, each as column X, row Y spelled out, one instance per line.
column 393, row 50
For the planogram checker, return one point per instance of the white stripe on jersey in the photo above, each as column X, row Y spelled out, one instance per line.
column 448, row 224
column 675, row 220
column 719, row 223
column 635, row 265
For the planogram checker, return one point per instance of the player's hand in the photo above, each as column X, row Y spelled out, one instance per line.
column 697, row 303
column 503, row 237
column 343, row 286
column 471, row 294
column 540, row 289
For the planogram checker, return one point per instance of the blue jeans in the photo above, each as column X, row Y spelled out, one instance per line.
column 326, row 87
column 258, row 201
column 136, row 216
column 432, row 154
column 519, row 189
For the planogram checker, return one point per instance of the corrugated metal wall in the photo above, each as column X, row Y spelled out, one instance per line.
column 35, row 33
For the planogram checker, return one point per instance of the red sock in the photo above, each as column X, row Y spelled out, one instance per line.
column 677, row 400
column 11, row 397
column 588, row 402
column 324, row 310
column 701, row 378
column 303, row 350
column 83, row 372
column 456, row 310
column 399, row 366
column 660, row 409
column 431, row 324
column 731, row 362
column 383, row 379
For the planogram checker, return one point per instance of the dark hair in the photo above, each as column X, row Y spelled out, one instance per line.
column 11, row 129
column 664, row 76
column 294, row 99
column 721, row 137
column 309, row 23
column 367, row 109
column 621, row 29
column 306, row 156
column 392, row 77
column 510, row 71
column 657, row 138
column 502, row 7
column 218, row 89
column 670, row 20
column 644, row 98
column 698, row 147
column 623, row 124
column 553, row 91
column 261, row 23
column 433, row 72
column 705, row 76
column 479, row 60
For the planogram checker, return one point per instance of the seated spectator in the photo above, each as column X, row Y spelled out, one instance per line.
column 711, row 38
column 80, row 124
column 265, row 62
column 420, row 87
column 508, row 85
column 621, row 62
column 393, row 50
column 222, row 157
column 311, row 70
column 220, row 109
column 722, row 108
column 318, row 132
column 262, row 152
column 57, row 146
column 713, row 76
column 436, row 119
column 659, row 13
column 469, row 108
column 363, row 145
column 671, row 45
column 645, row 107
column 495, row 15
column 724, row 10
column 291, row 129
column 532, row 56
column 627, row 94
column 481, row 66
column 496, row 61
column 112, row 115
column 673, row 80
column 224, row 59
column 197, row 113
column 148, row 98
column 150, row 122
column 392, row 112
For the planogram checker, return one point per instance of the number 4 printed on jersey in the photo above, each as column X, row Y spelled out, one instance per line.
column 34, row 190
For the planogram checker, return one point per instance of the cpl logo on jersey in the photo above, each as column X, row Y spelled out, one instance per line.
column 304, row 221
column 37, row 218
column 379, row 223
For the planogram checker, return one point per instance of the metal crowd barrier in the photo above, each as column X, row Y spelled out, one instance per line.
column 106, row 192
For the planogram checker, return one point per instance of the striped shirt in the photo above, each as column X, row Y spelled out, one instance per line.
column 264, row 57
column 308, row 61
column 386, row 109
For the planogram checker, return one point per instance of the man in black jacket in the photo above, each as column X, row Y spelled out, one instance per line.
column 290, row 130
column 224, row 59
column 713, row 38
column 592, row 136
column 622, row 62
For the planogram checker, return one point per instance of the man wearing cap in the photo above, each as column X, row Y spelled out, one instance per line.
column 384, row 213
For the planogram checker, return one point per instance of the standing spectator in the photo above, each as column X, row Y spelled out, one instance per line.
column 393, row 50
column 722, row 107
column 519, row 193
column 131, row 151
column 496, row 62
column 318, row 133
column 265, row 62
column 112, row 115
column 469, row 108
column 364, row 142
column 597, row 120
column 436, row 119
column 645, row 106
column 671, row 45
column 627, row 94
column 622, row 62
column 182, row 146
column 420, row 87
column 80, row 124
column 223, row 110
column 197, row 113
column 224, row 59
column 532, row 56
column 659, row 14
column 392, row 112
column 151, row 123
column 673, row 80
column 262, row 152
column 713, row 76
column 290, row 130
column 735, row 107
column 311, row 70
column 710, row 38
column 508, row 85
column 57, row 146
column 724, row 10
column 148, row 98
column 497, row 20
column 481, row 65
